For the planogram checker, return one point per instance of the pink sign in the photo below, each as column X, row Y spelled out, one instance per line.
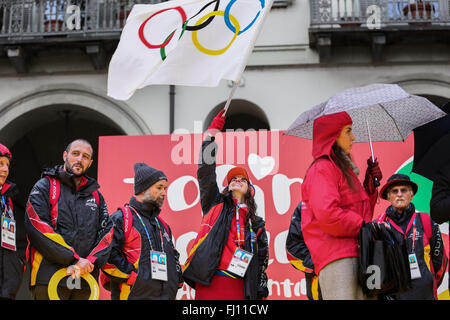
column 276, row 165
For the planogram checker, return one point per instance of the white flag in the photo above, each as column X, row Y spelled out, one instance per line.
column 185, row 42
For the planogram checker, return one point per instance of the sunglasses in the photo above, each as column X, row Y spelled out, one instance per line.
column 397, row 190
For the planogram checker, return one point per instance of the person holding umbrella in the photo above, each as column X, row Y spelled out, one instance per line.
column 336, row 205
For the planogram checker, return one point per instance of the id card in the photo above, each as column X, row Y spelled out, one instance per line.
column 8, row 233
column 414, row 266
column 240, row 262
column 158, row 265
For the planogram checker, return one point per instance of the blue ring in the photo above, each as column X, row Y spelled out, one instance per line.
column 230, row 25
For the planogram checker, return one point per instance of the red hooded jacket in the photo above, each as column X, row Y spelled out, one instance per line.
column 332, row 212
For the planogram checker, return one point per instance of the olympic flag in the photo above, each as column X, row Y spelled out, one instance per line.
column 185, row 42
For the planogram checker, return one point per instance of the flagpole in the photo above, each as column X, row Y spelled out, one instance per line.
column 233, row 90
column 247, row 56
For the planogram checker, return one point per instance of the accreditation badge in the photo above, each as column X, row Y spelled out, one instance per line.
column 240, row 262
column 414, row 266
column 158, row 265
column 8, row 233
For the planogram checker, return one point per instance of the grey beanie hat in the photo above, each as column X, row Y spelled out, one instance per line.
column 145, row 176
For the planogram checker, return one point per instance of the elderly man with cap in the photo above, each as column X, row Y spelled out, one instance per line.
column 229, row 257
column 143, row 264
column 11, row 267
column 426, row 254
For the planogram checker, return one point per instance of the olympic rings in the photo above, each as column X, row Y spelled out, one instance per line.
column 201, row 26
column 60, row 274
column 230, row 21
column 166, row 42
column 227, row 15
column 220, row 51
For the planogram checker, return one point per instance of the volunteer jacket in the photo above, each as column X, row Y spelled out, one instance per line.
column 299, row 256
column 206, row 252
column 332, row 212
column 129, row 266
column 81, row 228
column 430, row 252
column 11, row 265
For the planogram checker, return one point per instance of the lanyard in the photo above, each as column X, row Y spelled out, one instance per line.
column 413, row 221
column 239, row 229
column 146, row 231
column 4, row 203
column 5, row 208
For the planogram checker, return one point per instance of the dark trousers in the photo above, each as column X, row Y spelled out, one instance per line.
column 40, row 292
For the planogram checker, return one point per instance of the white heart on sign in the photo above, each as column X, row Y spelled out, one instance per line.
column 260, row 167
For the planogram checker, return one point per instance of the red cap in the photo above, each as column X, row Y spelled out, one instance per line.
column 4, row 152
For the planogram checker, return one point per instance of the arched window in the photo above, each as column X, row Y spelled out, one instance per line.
column 241, row 114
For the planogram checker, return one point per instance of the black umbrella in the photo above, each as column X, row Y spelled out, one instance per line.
column 432, row 145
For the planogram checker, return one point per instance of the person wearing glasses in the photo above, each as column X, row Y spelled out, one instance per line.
column 426, row 254
column 229, row 257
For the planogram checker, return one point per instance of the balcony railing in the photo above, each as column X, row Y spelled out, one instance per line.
column 379, row 13
column 33, row 18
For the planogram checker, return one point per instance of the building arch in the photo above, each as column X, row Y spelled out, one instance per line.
column 242, row 114
column 118, row 113
column 435, row 88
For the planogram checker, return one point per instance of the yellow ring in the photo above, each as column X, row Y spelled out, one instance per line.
column 220, row 51
column 60, row 274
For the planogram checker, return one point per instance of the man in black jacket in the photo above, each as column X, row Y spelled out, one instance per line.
column 143, row 264
column 67, row 224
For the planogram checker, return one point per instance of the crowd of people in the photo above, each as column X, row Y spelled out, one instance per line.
column 132, row 254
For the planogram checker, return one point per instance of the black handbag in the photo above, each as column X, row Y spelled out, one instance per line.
column 383, row 262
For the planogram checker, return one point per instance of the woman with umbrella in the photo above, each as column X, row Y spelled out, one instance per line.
column 336, row 205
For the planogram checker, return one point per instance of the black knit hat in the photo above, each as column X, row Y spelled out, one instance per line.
column 146, row 176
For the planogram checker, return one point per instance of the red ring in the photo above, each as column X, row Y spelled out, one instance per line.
column 141, row 29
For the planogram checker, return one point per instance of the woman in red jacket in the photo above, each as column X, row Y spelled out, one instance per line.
column 335, row 205
column 229, row 257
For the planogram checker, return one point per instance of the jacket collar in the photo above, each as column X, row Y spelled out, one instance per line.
column 8, row 189
column 401, row 218
column 148, row 210
column 87, row 184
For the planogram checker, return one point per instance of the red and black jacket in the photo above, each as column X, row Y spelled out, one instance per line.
column 429, row 250
column 78, row 225
column 299, row 256
column 11, row 265
column 129, row 265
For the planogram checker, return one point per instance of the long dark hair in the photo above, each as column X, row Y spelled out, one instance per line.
column 249, row 200
column 337, row 155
